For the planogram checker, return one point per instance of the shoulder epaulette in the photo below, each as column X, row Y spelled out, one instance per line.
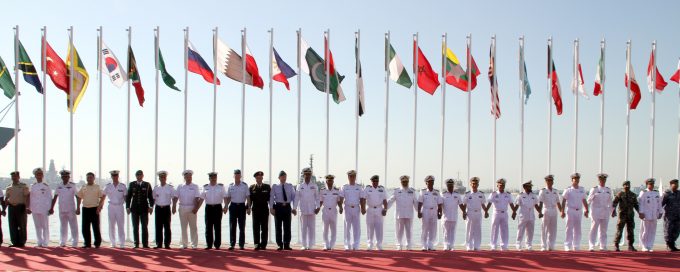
column 220, row 184
column 205, row 185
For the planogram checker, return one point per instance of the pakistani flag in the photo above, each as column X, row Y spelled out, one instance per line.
column 360, row 78
column 167, row 78
column 6, row 83
column 25, row 65
column 314, row 65
column 397, row 72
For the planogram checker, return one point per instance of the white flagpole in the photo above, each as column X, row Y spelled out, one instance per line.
column 415, row 104
column 70, row 94
column 522, row 94
column 127, row 152
column 469, row 99
column 100, row 77
column 214, row 131
column 328, row 83
column 156, row 61
column 602, row 81
column 677, row 168
column 356, row 116
column 271, row 102
column 17, row 93
column 299, row 101
column 495, row 119
column 575, row 90
column 550, row 64
column 387, row 102
column 243, row 95
column 441, row 161
column 652, row 123
column 186, row 91
column 44, row 98
column 627, row 152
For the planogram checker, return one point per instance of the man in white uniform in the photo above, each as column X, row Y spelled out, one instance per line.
column 526, row 202
column 354, row 203
column 116, row 192
column 307, row 201
column 66, row 193
column 429, row 210
column 549, row 205
column 650, row 211
column 499, row 223
column 163, row 195
column 451, row 201
column 189, row 202
column 41, row 202
column 331, row 202
column 407, row 202
column 376, row 202
column 600, row 200
column 575, row 207
column 474, row 203
column 214, row 195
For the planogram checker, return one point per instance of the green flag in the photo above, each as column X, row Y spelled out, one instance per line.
column 167, row 78
column 314, row 65
column 6, row 83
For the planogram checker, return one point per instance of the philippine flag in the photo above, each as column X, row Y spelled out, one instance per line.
column 197, row 65
column 281, row 70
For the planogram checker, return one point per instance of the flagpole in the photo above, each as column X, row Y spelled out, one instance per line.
column 575, row 91
column 99, row 76
column 271, row 102
column 441, row 161
column 469, row 98
column 127, row 154
column 328, row 82
column 550, row 64
column 71, row 102
column 44, row 98
column 186, row 91
column 356, row 116
column 299, row 101
column 495, row 118
column 214, row 131
column 522, row 94
column 602, row 80
column 387, row 104
column 155, row 158
column 629, row 81
column 652, row 123
column 17, row 93
column 243, row 95
column 415, row 103
column 677, row 168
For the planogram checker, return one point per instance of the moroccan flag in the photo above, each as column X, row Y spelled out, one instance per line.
column 599, row 77
column 230, row 64
column 314, row 65
column 281, row 70
column 111, row 66
column 167, row 78
column 526, row 88
column 133, row 73
column 56, row 68
column 197, row 65
column 428, row 79
column 456, row 76
column 6, row 83
column 360, row 79
column 635, row 95
column 676, row 76
column 25, row 65
column 660, row 82
column 79, row 79
column 493, row 82
column 554, row 83
column 397, row 72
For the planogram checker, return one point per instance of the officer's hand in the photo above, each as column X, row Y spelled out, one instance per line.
column 384, row 212
column 585, row 213
column 486, row 214
column 420, row 215
column 614, row 214
column 540, row 215
column 51, row 211
column 464, row 216
column 563, row 215
column 272, row 211
column 28, row 211
column 194, row 210
column 248, row 211
column 340, row 210
column 316, row 211
column 642, row 215
column 99, row 209
column 294, row 212
column 514, row 215
column 439, row 216
column 150, row 210
column 224, row 210
column 363, row 211
column 174, row 210
column 128, row 210
column 77, row 211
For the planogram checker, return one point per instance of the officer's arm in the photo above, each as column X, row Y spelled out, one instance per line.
column 28, row 200
column 78, row 199
column 564, row 201
column 385, row 203
column 616, row 201
column 128, row 197
column 463, row 208
column 4, row 205
column 392, row 199
column 149, row 195
column 420, row 205
column 198, row 202
column 54, row 201
column 340, row 200
column 174, row 201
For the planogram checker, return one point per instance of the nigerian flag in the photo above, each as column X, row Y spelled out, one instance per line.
column 397, row 72
column 314, row 65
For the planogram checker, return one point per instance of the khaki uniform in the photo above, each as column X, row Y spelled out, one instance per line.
column 15, row 197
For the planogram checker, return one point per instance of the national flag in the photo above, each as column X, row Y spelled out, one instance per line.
column 493, row 82
column 428, row 79
column 456, row 76
column 660, row 82
column 577, row 83
column 6, row 82
column 25, row 65
column 6, row 135
column 526, row 88
column 79, row 79
column 676, row 77
column 335, row 78
column 111, row 66
column 167, row 78
column 314, row 65
column 554, row 83
column 55, row 68
column 134, row 76
column 397, row 72
column 360, row 79
column 281, row 70
column 599, row 76
column 635, row 95
column 197, row 65
column 230, row 64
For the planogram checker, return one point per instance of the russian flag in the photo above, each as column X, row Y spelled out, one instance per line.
column 282, row 72
column 197, row 65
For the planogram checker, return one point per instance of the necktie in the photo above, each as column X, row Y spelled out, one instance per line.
column 283, row 189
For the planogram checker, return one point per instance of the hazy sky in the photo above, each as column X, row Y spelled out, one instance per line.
column 590, row 21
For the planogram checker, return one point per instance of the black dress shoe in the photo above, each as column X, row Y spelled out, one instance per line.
column 231, row 248
column 287, row 248
column 85, row 247
column 631, row 248
column 263, row 248
column 257, row 248
column 146, row 246
column 156, row 247
column 136, row 246
column 208, row 248
column 167, row 247
column 280, row 248
column 217, row 248
column 241, row 247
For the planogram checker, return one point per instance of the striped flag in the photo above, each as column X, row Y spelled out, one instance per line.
column 397, row 72
column 635, row 94
column 526, row 88
column 493, row 82
column 554, row 82
column 660, row 82
column 599, row 76
column 360, row 79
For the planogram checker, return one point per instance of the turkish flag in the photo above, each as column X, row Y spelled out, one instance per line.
column 56, row 68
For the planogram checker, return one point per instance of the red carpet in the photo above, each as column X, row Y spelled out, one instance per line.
column 272, row 260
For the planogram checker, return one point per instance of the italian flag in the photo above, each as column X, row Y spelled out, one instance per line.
column 397, row 72
column 599, row 77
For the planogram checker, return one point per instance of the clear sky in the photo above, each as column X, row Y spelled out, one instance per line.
column 590, row 21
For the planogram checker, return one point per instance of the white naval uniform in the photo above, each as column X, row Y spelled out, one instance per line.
column 306, row 201
column 430, row 203
column 574, row 210
column 407, row 203
column 67, row 212
column 550, row 199
column 525, row 224
column 329, row 215
column 374, row 217
column 451, row 201
column 650, row 206
column 116, row 210
column 41, row 202
column 600, row 201
column 187, row 195
column 163, row 195
column 352, row 195
column 499, row 221
column 473, row 227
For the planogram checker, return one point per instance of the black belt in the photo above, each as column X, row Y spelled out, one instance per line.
column 237, row 204
column 17, row 205
column 213, row 205
column 281, row 204
column 162, row 207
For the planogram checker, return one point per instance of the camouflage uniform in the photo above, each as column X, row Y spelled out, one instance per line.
column 671, row 226
column 628, row 205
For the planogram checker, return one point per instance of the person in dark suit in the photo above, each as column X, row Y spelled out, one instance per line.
column 139, row 202
column 260, row 205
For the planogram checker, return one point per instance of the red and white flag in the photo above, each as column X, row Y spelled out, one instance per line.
column 659, row 82
column 599, row 76
column 676, row 77
column 554, row 83
column 578, row 83
column 493, row 82
column 635, row 95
